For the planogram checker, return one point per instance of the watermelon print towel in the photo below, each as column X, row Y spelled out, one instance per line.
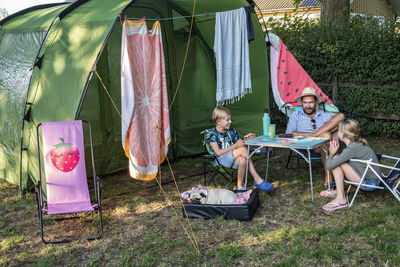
column 231, row 50
column 144, row 100
column 288, row 78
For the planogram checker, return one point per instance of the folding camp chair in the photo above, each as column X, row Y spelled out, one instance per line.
column 387, row 181
column 211, row 161
column 65, row 172
column 314, row 156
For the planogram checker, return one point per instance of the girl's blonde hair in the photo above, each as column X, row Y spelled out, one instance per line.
column 351, row 130
column 220, row 113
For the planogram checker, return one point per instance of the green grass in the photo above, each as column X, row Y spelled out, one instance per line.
column 141, row 228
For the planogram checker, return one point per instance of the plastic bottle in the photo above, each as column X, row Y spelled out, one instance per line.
column 266, row 122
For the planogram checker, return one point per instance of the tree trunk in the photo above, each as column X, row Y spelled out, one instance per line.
column 335, row 10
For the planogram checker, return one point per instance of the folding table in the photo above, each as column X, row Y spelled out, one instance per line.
column 306, row 143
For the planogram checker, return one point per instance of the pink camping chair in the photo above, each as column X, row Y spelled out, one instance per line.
column 65, row 173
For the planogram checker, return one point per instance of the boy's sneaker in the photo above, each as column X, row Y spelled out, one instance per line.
column 264, row 186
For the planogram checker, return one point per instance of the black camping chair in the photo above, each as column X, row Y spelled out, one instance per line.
column 211, row 161
column 314, row 156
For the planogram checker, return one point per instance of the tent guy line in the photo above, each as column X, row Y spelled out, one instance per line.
column 192, row 237
column 180, row 17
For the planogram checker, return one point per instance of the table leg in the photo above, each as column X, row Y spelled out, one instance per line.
column 247, row 165
column 266, row 171
column 310, row 168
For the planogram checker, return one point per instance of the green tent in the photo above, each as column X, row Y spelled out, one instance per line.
column 68, row 42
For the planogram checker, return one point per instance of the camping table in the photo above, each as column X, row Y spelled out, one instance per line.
column 307, row 143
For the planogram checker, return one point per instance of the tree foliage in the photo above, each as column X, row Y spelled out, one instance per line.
column 3, row 13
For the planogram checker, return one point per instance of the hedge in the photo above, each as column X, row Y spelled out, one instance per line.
column 364, row 51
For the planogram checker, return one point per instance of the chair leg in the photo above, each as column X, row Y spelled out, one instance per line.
column 298, row 168
column 347, row 194
column 289, row 158
column 205, row 172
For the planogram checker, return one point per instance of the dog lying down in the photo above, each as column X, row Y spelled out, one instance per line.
column 213, row 196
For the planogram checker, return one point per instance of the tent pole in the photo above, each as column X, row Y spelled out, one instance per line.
column 89, row 78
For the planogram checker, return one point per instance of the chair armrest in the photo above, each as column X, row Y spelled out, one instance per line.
column 390, row 157
column 369, row 162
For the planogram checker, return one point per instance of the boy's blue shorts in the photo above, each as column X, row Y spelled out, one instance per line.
column 227, row 160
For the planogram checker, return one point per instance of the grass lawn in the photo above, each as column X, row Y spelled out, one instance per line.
column 141, row 227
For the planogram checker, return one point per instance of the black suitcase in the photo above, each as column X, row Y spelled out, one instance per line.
column 241, row 212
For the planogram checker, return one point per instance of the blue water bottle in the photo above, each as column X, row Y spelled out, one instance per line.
column 266, row 122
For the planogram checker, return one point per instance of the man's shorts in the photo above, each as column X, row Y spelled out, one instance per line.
column 375, row 182
column 227, row 160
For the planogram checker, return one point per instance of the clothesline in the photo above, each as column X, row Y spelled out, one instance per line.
column 180, row 17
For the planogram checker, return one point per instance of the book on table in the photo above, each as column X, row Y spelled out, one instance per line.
column 290, row 137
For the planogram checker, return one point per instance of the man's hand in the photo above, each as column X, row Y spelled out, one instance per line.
column 249, row 136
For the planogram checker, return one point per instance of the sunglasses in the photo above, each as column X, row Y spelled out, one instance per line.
column 314, row 124
column 344, row 125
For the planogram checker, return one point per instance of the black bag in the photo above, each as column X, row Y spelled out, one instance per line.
column 241, row 212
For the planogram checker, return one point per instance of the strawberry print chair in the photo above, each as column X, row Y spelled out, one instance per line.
column 65, row 180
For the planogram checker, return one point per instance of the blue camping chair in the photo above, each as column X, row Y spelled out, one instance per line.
column 314, row 155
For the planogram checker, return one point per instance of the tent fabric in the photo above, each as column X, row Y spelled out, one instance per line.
column 288, row 78
column 14, row 78
column 144, row 100
column 88, row 41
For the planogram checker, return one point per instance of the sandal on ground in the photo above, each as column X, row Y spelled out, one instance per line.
column 264, row 186
column 327, row 193
column 334, row 206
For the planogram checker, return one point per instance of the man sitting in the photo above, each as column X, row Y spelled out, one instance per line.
column 312, row 122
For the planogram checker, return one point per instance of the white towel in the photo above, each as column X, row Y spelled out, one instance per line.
column 232, row 56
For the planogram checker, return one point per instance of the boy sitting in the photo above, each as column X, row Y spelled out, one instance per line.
column 230, row 150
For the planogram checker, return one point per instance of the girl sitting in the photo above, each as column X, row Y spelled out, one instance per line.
column 356, row 148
